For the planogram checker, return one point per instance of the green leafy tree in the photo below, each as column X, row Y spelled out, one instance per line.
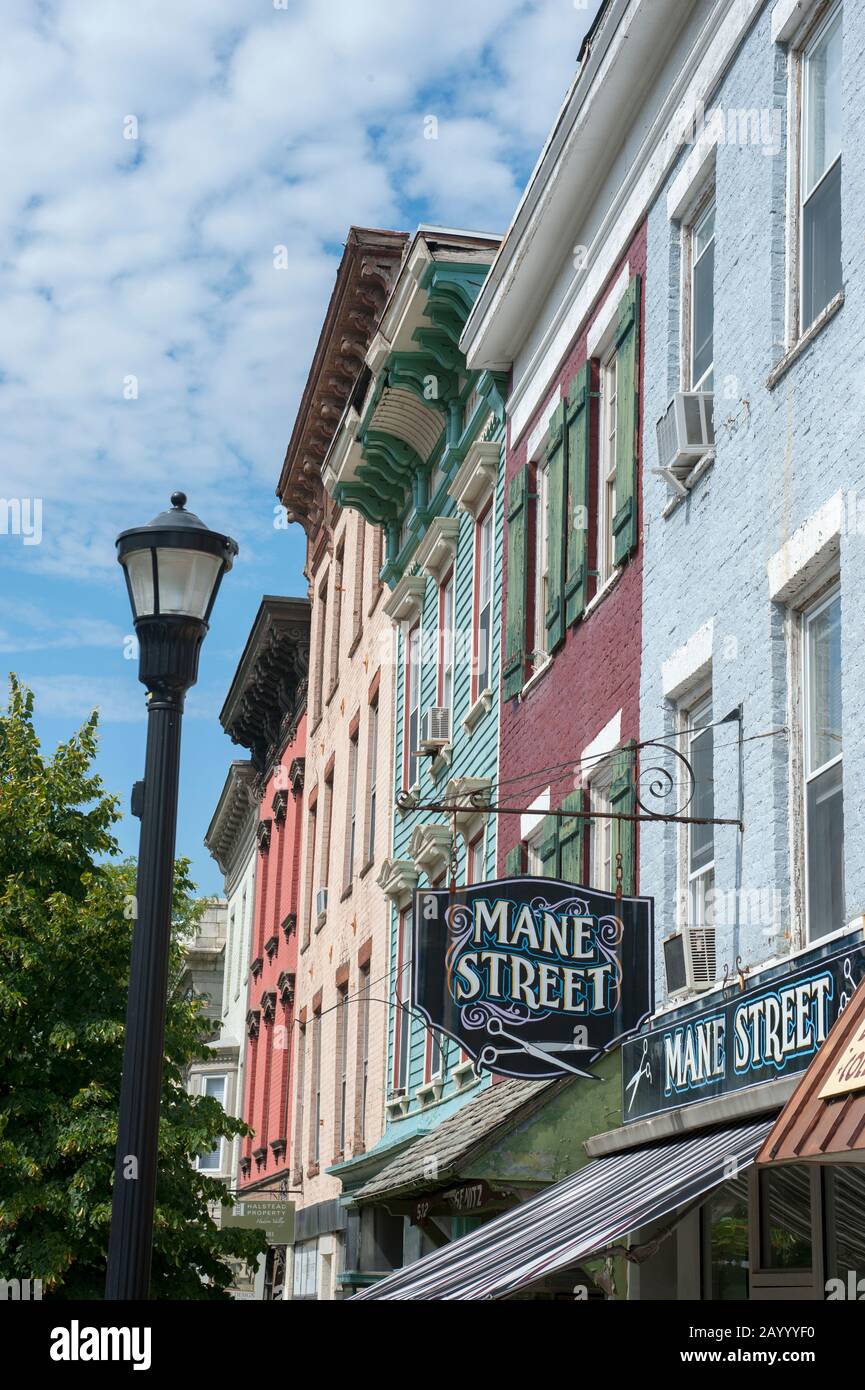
column 66, row 919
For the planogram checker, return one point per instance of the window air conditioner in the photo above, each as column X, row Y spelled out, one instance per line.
column 689, row 959
column 321, row 903
column 435, row 729
column 685, row 434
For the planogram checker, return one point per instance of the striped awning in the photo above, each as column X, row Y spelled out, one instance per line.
column 564, row 1224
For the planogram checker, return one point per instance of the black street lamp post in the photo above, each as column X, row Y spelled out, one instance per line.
column 173, row 569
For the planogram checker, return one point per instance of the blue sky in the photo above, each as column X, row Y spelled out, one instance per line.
column 153, row 157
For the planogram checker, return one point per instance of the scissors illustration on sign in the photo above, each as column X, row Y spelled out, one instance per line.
column 546, row 1052
column 643, row 1070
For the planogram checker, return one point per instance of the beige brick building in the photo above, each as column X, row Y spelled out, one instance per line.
column 340, row 1033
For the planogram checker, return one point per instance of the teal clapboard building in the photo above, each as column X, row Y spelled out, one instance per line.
column 420, row 454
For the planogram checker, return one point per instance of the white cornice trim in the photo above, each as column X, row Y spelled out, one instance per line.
column 404, row 605
column 397, row 879
column 436, row 550
column 474, row 481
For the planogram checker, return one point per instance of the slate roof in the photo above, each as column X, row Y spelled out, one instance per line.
column 475, row 1126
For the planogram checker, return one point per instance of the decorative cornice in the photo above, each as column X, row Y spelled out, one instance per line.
column 296, row 775
column 268, row 1005
column 397, row 878
column 233, row 816
column 279, row 805
column 253, row 1023
column 363, row 282
column 263, row 833
column 430, row 847
column 285, row 985
column 467, row 796
column 289, row 924
column 271, row 946
column 405, row 603
column 436, row 551
column 268, row 692
column 474, row 482
column 256, row 967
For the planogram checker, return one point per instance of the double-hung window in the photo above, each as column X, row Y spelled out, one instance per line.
column 315, row 1118
column 351, row 827
column 446, row 643
column 820, row 171
column 214, row 1086
column 412, row 706
column 402, row 1019
column 607, row 469
column 700, row 856
column 483, row 603
column 702, row 300
column 601, row 832
column 824, row 809
column 372, row 780
column 542, row 562
column 342, row 1066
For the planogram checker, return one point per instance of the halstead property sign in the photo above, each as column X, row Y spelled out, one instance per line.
column 741, row 1038
column 532, row 977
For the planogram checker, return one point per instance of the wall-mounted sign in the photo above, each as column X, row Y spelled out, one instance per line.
column 463, row 1199
column 532, row 977
column 276, row 1219
column 740, row 1038
column 848, row 1071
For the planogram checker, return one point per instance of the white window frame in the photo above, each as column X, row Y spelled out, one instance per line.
column 351, row 826
column 602, row 839
column 412, row 698
column 372, row 779
column 606, row 497
column 809, row 774
column 484, row 542
column 542, row 561
column 689, row 878
column 219, row 1148
column 534, row 840
column 705, row 207
column 447, row 641
column 801, row 46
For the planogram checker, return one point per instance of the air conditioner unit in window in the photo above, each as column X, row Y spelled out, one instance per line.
column 321, row 903
column 685, row 434
column 689, row 959
column 435, row 729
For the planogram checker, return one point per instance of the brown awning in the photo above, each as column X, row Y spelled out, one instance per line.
column 824, row 1119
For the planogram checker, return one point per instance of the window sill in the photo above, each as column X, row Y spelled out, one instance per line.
column 398, row 1109
column 331, row 692
column 481, row 707
column 346, row 892
column 536, row 678
column 362, row 873
column 414, row 792
column 320, row 921
column 464, row 1075
column 355, row 642
column 430, row 1092
column 441, row 762
column 312, row 1170
column 374, row 605
column 597, row 598
column 697, row 472
column 795, row 352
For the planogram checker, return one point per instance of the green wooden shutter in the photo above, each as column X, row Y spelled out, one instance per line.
column 554, row 618
column 577, row 511
column 548, row 848
column 623, row 800
column 571, row 833
column 627, row 418
column 515, row 625
column 514, row 862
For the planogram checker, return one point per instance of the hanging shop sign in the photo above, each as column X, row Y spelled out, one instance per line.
column 743, row 1038
column 276, row 1219
column 532, row 977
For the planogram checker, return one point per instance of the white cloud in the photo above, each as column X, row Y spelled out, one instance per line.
column 153, row 258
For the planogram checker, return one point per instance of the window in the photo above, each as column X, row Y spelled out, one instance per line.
column 412, row 706
column 213, row 1086
column 824, row 809
column 357, row 597
column 402, row 1020
column 376, row 565
column 436, row 1043
column 341, row 1066
column 315, row 1128
column 372, row 782
column 363, row 1053
column 324, row 851
column 483, row 636
column 542, row 562
column 702, row 300
column 607, row 469
column 319, row 655
column 299, row 1095
column 446, row 643
column 725, row 1242
column 351, row 827
column 820, row 173
column 601, row 831
column 785, row 1217
column 475, row 860
column 700, row 858
column 312, row 822
column 305, row 1280
column 535, row 864
column 338, row 588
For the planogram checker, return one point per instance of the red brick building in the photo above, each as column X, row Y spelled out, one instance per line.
column 266, row 712
column 573, row 593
